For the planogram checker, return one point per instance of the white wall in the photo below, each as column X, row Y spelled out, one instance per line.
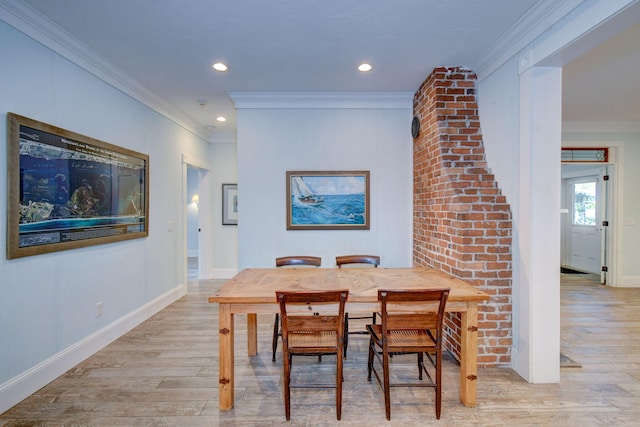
column 48, row 319
column 630, row 233
column 324, row 135
column 498, row 107
column 224, row 165
column 498, row 100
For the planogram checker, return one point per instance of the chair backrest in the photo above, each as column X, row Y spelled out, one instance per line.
column 427, row 309
column 314, row 311
column 357, row 259
column 312, row 261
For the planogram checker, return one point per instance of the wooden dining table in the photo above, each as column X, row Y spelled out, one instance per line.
column 253, row 291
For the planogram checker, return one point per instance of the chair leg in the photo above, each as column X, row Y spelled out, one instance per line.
column 319, row 356
column 287, row 379
column 339, row 380
column 438, row 383
column 276, row 334
column 370, row 359
column 346, row 334
column 420, row 364
column 385, row 373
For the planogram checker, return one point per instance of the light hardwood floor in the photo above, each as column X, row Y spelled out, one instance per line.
column 164, row 373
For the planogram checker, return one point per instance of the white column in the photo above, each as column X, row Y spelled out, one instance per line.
column 537, row 228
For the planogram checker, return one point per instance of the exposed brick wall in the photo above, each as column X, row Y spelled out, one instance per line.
column 462, row 223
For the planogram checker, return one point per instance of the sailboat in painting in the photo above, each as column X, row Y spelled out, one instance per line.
column 303, row 194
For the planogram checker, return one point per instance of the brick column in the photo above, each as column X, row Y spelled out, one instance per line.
column 462, row 222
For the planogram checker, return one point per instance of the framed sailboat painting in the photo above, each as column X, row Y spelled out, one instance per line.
column 328, row 200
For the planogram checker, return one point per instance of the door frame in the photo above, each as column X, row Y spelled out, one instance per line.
column 584, row 172
column 205, row 249
column 613, row 204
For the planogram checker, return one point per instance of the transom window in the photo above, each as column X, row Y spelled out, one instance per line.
column 589, row 155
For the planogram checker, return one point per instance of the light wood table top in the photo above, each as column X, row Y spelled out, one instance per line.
column 258, row 285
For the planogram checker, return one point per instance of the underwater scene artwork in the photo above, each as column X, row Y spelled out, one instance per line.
column 70, row 190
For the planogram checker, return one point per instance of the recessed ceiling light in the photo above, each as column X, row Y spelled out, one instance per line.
column 221, row 119
column 365, row 67
column 219, row 66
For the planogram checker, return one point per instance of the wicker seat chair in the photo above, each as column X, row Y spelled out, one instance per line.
column 290, row 261
column 402, row 332
column 356, row 261
column 314, row 327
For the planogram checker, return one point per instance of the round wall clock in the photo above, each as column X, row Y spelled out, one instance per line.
column 415, row 126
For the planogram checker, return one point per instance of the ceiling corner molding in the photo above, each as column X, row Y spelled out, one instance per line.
column 29, row 21
column 600, row 127
column 223, row 138
column 591, row 24
column 365, row 100
column 534, row 23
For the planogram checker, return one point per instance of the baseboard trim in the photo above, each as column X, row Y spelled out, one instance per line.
column 628, row 282
column 223, row 273
column 22, row 386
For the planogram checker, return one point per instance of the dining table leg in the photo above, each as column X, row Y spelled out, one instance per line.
column 469, row 356
column 226, row 381
column 252, row 334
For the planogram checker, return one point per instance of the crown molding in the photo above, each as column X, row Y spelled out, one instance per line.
column 587, row 26
column 229, row 137
column 29, row 21
column 600, row 127
column 570, row 22
column 534, row 23
column 363, row 100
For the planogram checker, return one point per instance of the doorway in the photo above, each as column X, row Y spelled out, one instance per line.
column 584, row 227
column 196, row 223
column 193, row 225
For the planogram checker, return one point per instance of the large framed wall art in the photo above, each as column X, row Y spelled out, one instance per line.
column 67, row 190
column 328, row 200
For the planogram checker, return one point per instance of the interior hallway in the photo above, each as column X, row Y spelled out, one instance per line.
column 164, row 373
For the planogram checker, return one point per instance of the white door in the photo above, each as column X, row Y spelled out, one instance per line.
column 585, row 224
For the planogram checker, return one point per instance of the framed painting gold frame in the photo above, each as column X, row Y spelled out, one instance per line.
column 328, row 200
column 67, row 191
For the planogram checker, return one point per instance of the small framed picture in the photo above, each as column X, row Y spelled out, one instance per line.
column 229, row 204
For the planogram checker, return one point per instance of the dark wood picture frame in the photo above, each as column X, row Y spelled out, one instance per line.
column 229, row 204
column 68, row 191
column 328, row 200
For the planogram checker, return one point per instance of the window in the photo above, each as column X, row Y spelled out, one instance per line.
column 584, row 203
column 585, row 155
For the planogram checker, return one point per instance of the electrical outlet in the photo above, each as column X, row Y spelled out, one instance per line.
column 99, row 309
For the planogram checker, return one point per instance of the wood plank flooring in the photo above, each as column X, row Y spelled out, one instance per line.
column 164, row 373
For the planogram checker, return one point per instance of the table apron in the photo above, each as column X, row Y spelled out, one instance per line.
column 353, row 307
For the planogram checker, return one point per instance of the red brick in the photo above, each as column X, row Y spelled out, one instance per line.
column 462, row 222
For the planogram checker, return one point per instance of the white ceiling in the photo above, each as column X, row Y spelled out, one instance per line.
column 603, row 84
column 168, row 46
